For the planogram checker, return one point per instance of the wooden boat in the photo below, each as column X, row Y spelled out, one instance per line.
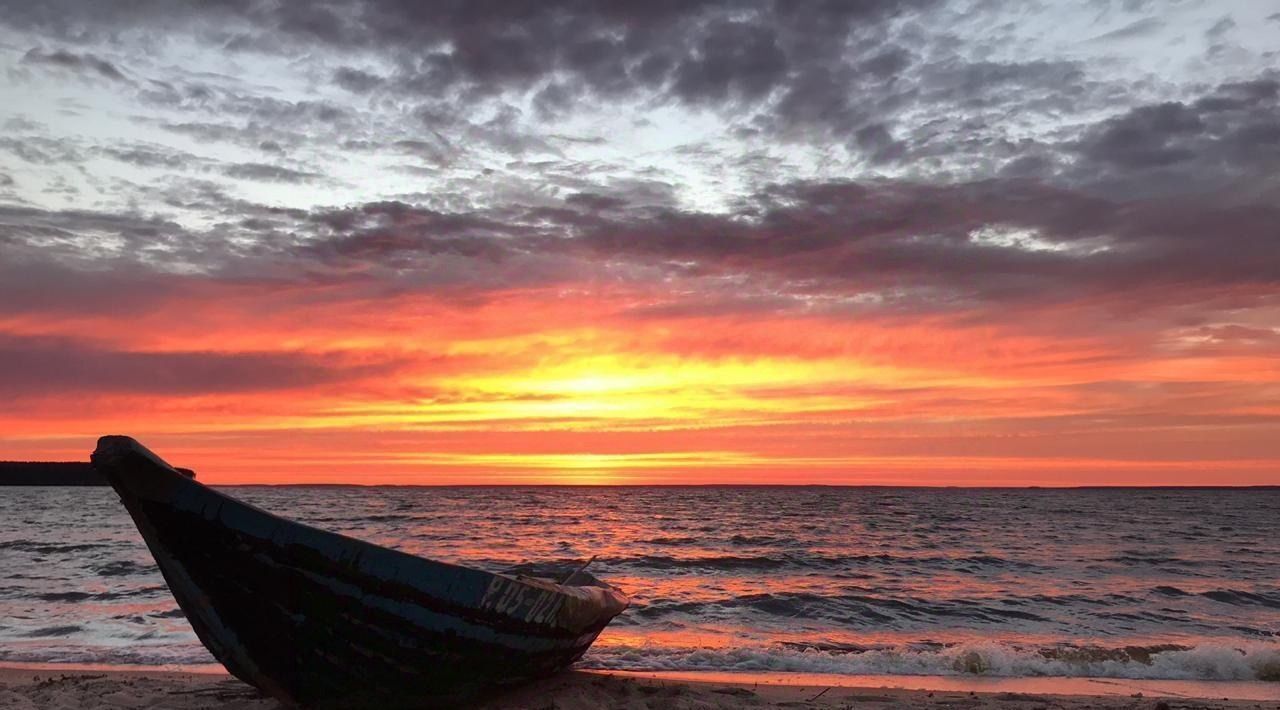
column 317, row 619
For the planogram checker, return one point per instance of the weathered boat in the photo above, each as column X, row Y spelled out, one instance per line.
column 317, row 619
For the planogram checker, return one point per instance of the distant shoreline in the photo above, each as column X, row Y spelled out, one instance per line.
column 743, row 485
column 82, row 473
column 49, row 473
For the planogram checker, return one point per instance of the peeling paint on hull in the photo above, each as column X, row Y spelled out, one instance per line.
column 317, row 619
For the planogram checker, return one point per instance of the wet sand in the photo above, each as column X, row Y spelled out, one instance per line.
column 45, row 688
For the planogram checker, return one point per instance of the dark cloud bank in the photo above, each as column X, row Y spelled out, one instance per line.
column 1155, row 203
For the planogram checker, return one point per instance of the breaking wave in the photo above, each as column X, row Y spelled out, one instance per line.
column 1259, row 662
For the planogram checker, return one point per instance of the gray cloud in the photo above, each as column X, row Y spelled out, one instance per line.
column 82, row 235
column 696, row 52
column 356, row 81
column 1137, row 28
column 42, row 151
column 34, row 366
column 732, row 60
column 921, row 147
column 1220, row 29
column 952, row 246
column 1226, row 137
column 151, row 156
column 264, row 172
column 84, row 63
column 855, row 77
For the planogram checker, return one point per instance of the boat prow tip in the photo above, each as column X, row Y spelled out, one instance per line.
column 114, row 449
column 115, row 445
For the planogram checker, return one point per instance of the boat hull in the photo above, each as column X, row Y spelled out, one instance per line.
column 317, row 619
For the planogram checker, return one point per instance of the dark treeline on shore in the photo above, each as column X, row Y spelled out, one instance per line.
column 49, row 473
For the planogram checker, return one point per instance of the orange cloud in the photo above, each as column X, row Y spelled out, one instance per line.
column 263, row 383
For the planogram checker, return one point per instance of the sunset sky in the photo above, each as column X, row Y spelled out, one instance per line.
column 893, row 241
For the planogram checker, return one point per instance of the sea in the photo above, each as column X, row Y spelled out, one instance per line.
column 1120, row 583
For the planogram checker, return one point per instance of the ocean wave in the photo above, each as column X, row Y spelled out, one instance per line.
column 755, row 540
column 848, row 608
column 1238, row 597
column 76, row 596
column 1259, row 662
column 53, row 631
column 139, row 652
column 123, row 568
column 673, row 541
column 48, row 548
column 1206, row 662
column 1234, row 597
column 731, row 563
column 721, row 562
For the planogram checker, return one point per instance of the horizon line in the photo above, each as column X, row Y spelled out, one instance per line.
column 746, row 485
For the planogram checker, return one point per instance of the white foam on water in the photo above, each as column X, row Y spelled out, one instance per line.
column 1207, row 662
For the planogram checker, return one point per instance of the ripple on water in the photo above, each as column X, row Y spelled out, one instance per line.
column 847, row 580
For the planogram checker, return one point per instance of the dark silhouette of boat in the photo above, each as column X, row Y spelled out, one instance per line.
column 317, row 619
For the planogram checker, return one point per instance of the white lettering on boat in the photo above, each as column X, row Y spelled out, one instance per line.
column 522, row 601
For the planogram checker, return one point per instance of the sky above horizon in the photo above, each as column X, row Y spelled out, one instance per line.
column 948, row 242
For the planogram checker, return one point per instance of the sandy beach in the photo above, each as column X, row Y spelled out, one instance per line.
column 44, row 688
